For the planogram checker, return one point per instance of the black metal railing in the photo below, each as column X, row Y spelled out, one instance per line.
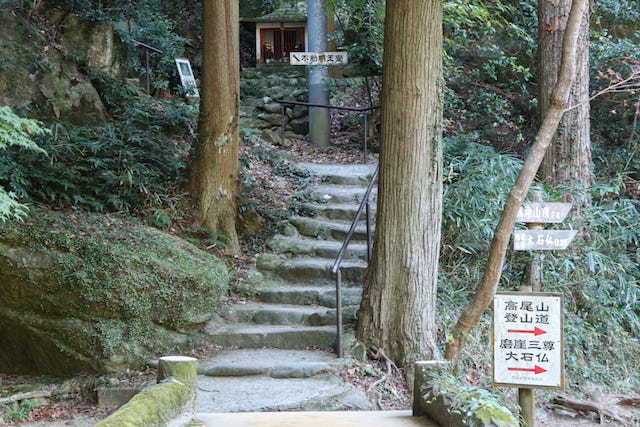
column 364, row 205
column 362, row 110
column 147, row 49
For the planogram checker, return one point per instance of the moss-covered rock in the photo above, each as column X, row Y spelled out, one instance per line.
column 441, row 397
column 38, row 75
column 88, row 292
column 156, row 406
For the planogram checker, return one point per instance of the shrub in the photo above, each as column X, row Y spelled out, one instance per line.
column 16, row 132
column 129, row 165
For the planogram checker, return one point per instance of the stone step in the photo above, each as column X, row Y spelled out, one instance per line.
column 279, row 314
column 358, row 174
column 301, row 245
column 341, row 211
column 307, row 295
column 273, row 363
column 324, row 193
column 275, row 71
column 272, row 336
column 302, row 269
column 328, row 230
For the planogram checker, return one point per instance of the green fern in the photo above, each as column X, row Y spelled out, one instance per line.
column 16, row 131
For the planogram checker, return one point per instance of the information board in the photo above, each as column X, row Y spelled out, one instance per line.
column 528, row 340
column 187, row 79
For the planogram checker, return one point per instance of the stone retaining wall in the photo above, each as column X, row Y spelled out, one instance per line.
column 173, row 395
column 452, row 406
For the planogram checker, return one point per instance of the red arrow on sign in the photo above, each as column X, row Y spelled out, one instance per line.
column 536, row 370
column 535, row 331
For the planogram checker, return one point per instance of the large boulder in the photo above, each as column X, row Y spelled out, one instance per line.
column 93, row 45
column 41, row 77
column 93, row 293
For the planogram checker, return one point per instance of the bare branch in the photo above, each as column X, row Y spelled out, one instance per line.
column 631, row 83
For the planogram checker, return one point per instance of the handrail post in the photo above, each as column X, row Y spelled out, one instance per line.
column 332, row 107
column 365, row 138
column 339, row 331
column 369, row 237
column 336, row 265
column 282, row 125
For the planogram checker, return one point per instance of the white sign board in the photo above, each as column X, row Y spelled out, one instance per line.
column 543, row 212
column 187, row 79
column 536, row 240
column 318, row 58
column 528, row 340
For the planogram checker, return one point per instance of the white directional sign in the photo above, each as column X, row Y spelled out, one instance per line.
column 536, row 240
column 317, row 58
column 543, row 212
column 527, row 340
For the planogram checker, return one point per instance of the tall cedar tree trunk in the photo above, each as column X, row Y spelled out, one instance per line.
column 557, row 105
column 397, row 313
column 567, row 163
column 214, row 176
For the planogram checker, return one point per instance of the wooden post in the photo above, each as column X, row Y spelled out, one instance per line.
column 527, row 402
column 526, row 396
column 534, row 271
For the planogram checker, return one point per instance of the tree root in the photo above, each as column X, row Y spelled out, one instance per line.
column 633, row 401
column 35, row 394
column 377, row 353
column 587, row 406
column 68, row 389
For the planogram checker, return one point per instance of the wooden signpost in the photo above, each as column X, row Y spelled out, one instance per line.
column 528, row 350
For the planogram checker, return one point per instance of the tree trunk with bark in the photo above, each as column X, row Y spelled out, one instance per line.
column 214, row 173
column 558, row 103
column 567, row 162
column 397, row 313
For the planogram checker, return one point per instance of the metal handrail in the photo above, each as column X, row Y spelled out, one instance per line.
column 147, row 48
column 364, row 204
column 331, row 107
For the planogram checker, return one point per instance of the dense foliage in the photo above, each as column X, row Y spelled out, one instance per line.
column 599, row 275
column 130, row 164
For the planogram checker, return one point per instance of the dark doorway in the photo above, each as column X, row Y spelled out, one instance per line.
column 277, row 43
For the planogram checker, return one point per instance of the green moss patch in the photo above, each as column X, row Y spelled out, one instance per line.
column 101, row 289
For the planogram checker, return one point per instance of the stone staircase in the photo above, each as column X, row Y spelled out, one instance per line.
column 291, row 296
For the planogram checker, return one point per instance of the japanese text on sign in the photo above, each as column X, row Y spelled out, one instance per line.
column 526, row 240
column 318, row 58
column 527, row 340
column 543, row 212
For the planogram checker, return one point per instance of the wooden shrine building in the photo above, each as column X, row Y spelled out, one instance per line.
column 279, row 33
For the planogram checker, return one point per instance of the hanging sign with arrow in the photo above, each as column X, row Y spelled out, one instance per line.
column 528, row 240
column 318, row 58
column 527, row 340
column 543, row 212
